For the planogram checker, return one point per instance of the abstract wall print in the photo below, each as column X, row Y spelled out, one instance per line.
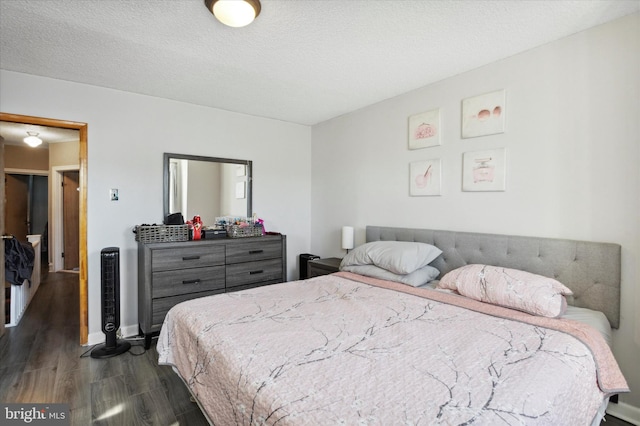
column 484, row 170
column 424, row 178
column 484, row 115
column 424, row 129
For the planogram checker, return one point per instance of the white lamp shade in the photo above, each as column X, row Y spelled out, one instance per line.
column 347, row 237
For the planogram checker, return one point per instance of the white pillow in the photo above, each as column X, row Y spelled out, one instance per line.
column 416, row 278
column 399, row 257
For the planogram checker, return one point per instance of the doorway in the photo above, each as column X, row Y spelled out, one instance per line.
column 82, row 202
column 16, row 189
column 28, row 211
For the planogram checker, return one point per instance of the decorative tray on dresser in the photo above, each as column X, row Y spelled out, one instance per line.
column 170, row 273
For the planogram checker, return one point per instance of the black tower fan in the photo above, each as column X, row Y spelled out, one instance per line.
column 110, row 291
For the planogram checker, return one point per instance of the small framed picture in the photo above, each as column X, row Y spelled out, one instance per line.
column 424, row 129
column 424, row 178
column 484, row 170
column 484, row 115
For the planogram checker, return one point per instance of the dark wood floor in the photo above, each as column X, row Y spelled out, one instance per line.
column 41, row 361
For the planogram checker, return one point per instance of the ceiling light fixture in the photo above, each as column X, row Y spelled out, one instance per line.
column 234, row 13
column 32, row 140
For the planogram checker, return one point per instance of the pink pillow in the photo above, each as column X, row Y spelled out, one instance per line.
column 510, row 288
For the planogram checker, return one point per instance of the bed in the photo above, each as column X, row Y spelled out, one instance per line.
column 357, row 348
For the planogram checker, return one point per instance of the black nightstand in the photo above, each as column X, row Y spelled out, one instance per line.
column 326, row 266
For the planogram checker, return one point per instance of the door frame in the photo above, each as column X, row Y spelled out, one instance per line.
column 83, row 168
column 3, row 292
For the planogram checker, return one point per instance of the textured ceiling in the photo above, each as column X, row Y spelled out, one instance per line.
column 302, row 61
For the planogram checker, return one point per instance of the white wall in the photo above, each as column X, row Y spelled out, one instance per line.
column 127, row 136
column 573, row 156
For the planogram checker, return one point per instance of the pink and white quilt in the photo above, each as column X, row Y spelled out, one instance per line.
column 346, row 349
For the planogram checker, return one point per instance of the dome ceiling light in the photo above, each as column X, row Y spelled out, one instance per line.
column 234, row 13
column 33, row 140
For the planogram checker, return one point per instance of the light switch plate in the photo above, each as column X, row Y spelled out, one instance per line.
column 113, row 194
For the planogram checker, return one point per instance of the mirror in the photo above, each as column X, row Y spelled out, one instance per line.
column 206, row 186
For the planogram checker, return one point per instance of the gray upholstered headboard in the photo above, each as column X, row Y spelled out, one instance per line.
column 590, row 269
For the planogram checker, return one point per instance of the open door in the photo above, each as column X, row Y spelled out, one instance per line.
column 16, row 219
column 71, row 224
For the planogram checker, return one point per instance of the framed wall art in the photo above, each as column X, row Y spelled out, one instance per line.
column 424, row 178
column 484, row 114
column 424, row 129
column 484, row 170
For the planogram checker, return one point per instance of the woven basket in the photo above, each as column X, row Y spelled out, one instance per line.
column 161, row 233
column 236, row 231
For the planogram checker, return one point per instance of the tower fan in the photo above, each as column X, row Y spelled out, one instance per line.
column 110, row 292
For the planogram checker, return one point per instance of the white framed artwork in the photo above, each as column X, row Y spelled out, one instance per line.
column 425, row 178
column 484, row 170
column 424, row 129
column 484, row 114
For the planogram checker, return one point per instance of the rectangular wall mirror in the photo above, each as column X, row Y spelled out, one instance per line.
column 206, row 186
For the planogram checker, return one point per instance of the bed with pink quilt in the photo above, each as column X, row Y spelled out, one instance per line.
column 425, row 331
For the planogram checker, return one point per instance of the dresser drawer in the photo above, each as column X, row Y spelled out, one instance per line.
column 254, row 272
column 253, row 250
column 161, row 306
column 187, row 257
column 182, row 281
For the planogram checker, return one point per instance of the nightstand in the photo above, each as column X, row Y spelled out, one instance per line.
column 326, row 266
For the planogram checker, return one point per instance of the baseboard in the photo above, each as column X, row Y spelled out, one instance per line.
column 625, row 412
column 130, row 330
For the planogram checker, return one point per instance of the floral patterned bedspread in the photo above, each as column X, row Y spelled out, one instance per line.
column 344, row 349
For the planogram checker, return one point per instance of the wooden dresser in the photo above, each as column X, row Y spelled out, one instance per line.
column 170, row 273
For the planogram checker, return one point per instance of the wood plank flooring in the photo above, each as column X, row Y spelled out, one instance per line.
column 41, row 361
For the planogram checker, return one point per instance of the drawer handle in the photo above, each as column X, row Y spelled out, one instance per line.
column 255, row 251
column 256, row 272
column 196, row 281
column 191, row 258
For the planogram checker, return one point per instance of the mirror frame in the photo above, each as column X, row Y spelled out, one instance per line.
column 165, row 179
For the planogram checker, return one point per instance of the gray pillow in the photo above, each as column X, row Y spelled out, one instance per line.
column 417, row 278
column 399, row 257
